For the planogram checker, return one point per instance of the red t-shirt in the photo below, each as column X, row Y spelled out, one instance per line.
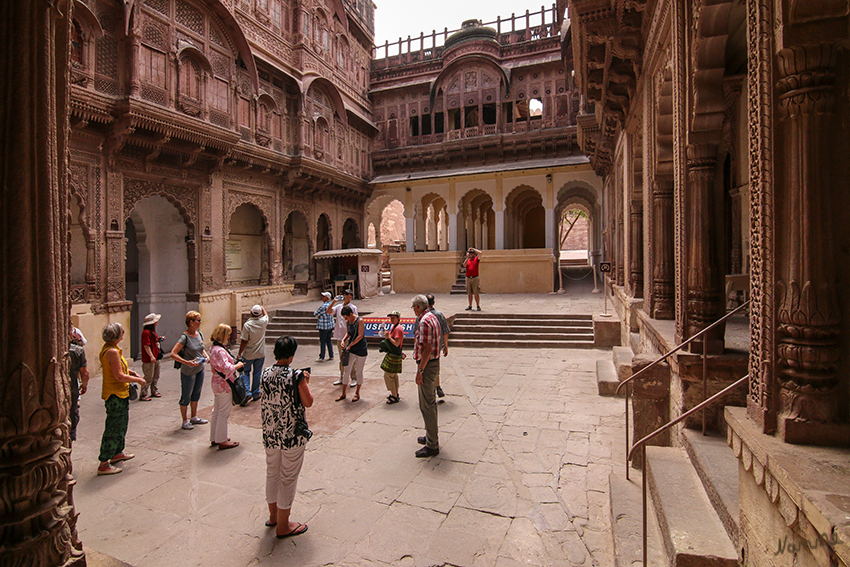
column 150, row 339
column 472, row 267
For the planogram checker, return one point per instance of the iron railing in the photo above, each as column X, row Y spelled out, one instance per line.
column 628, row 380
column 642, row 445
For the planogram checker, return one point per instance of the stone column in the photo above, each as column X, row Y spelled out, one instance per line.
column 549, row 227
column 485, row 231
column 704, row 298
column 663, row 249
column 408, row 233
column 808, row 316
column 453, row 232
column 636, row 247
column 500, row 229
column 419, row 235
column 37, row 516
column 135, row 51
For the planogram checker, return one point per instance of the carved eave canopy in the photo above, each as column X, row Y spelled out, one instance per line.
column 607, row 47
column 142, row 115
column 308, row 176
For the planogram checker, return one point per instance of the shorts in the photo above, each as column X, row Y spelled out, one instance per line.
column 472, row 285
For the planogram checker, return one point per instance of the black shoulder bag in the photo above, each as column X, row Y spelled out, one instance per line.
column 301, row 427
column 237, row 386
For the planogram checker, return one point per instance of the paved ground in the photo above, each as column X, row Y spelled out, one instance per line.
column 521, row 479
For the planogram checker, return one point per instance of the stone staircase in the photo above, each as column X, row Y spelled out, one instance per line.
column 459, row 287
column 693, row 490
column 302, row 326
column 515, row 330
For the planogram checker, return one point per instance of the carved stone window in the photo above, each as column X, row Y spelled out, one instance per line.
column 152, row 66
column 77, row 44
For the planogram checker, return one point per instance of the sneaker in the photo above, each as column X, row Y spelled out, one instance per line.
column 353, row 384
column 320, row 360
column 478, row 308
column 468, row 308
column 188, row 425
column 106, row 468
column 198, row 421
column 338, row 382
column 440, row 393
column 121, row 457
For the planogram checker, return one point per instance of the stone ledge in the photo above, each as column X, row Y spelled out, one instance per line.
column 809, row 486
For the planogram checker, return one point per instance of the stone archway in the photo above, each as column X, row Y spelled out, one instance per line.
column 157, row 266
column 525, row 218
column 246, row 247
column 351, row 234
column 296, row 248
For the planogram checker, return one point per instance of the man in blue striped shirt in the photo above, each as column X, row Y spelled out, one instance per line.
column 325, row 325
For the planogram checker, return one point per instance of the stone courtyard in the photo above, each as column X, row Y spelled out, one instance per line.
column 522, row 477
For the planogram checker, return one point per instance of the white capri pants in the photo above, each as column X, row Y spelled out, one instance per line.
column 220, row 415
column 357, row 363
column 282, row 469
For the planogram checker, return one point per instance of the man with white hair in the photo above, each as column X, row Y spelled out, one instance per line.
column 252, row 349
column 341, row 328
column 426, row 353
column 325, row 325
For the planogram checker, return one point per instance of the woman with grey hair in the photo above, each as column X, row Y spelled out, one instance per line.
column 117, row 378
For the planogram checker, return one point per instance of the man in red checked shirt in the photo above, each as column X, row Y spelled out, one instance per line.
column 473, row 257
column 426, row 353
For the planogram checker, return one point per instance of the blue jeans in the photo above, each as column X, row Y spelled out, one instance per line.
column 190, row 387
column 257, row 364
column 325, row 336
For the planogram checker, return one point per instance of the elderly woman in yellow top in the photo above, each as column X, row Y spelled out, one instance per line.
column 116, row 393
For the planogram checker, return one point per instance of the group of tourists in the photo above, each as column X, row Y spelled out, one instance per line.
column 283, row 391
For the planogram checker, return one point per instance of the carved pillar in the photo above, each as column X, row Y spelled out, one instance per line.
column 807, row 295
column 408, row 232
column 115, row 245
column 135, row 51
column 704, row 298
column 500, row 229
column 636, row 248
column 420, row 232
column 663, row 249
column 452, row 231
column 91, row 268
column 620, row 233
column 37, row 516
column 192, row 256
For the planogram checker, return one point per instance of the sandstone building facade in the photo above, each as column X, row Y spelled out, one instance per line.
column 720, row 131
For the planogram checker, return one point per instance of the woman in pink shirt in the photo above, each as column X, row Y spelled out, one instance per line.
column 224, row 372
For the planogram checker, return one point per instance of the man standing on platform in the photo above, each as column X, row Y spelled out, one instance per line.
column 444, row 336
column 473, row 257
column 426, row 353
column 325, row 325
column 252, row 349
column 341, row 329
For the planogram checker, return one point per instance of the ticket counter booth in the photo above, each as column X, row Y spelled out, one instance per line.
column 355, row 268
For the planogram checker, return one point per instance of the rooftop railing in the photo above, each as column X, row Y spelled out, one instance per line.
column 516, row 29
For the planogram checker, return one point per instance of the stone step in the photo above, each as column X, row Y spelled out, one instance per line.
column 458, row 335
column 717, row 468
column 478, row 321
column 606, row 378
column 626, row 515
column 508, row 343
column 691, row 531
column 623, row 362
column 530, row 316
column 511, row 329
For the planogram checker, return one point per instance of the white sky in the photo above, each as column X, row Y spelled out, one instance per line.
column 400, row 18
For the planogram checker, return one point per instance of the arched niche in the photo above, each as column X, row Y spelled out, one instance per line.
column 296, row 248
column 246, row 249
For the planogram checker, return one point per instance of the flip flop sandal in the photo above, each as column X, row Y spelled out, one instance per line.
column 297, row 531
column 223, row 446
column 355, row 398
column 339, row 399
column 156, row 395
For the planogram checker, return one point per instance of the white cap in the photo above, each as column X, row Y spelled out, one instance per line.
column 257, row 310
column 326, row 294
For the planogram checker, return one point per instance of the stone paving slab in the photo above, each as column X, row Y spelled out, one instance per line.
column 519, row 479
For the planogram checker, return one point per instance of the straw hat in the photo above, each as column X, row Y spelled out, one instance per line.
column 152, row 318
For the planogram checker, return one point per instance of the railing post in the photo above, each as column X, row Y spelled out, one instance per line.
column 704, row 386
column 499, row 25
column 628, row 395
column 643, row 500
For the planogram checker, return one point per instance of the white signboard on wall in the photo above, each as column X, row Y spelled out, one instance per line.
column 233, row 254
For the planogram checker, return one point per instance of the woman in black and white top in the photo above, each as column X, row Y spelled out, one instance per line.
column 355, row 343
column 285, row 395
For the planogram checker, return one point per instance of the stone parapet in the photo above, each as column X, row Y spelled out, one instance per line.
column 795, row 500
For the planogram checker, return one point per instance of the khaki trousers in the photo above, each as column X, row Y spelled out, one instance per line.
column 428, row 402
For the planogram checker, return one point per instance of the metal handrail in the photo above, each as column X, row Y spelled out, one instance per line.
column 668, row 425
column 664, row 357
